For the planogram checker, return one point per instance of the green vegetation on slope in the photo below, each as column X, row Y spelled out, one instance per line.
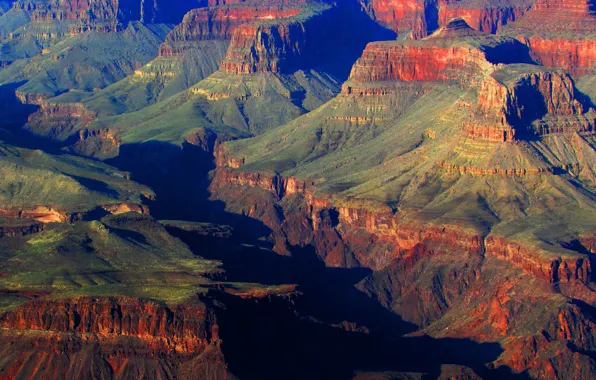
column 125, row 255
column 392, row 149
column 229, row 104
column 87, row 61
column 29, row 178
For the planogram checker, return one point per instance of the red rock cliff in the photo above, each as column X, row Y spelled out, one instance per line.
column 217, row 23
column 284, row 45
column 560, row 33
column 117, row 336
column 520, row 95
column 488, row 16
column 441, row 57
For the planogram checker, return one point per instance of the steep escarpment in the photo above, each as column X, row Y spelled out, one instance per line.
column 374, row 238
column 488, row 16
column 559, row 34
column 424, row 274
column 217, row 23
column 437, row 167
column 443, row 57
column 408, row 18
column 535, row 102
column 416, row 19
column 186, row 327
column 102, row 15
column 192, row 51
column 492, row 310
column 112, row 336
column 439, row 209
column 279, row 46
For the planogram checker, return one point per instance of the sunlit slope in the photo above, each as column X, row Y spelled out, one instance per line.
column 508, row 151
column 31, row 178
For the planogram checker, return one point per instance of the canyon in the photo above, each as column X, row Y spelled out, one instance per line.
column 364, row 189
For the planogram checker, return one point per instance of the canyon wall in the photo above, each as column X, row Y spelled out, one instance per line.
column 103, row 15
column 216, row 23
column 376, row 237
column 535, row 101
column 416, row 19
column 280, row 46
column 390, row 61
column 575, row 56
column 49, row 214
column 559, row 34
column 111, row 337
column 442, row 57
column 486, row 16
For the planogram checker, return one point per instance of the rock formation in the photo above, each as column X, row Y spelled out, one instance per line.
column 559, row 34
column 101, row 15
column 111, row 336
column 437, row 210
column 488, row 16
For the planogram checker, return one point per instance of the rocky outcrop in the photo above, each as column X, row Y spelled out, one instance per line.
column 412, row 18
column 389, row 232
column 102, row 15
column 442, row 57
column 531, row 100
column 285, row 45
column 394, row 61
column 49, row 111
column 45, row 214
column 112, row 336
column 576, row 56
column 15, row 227
column 559, row 33
column 416, row 19
column 488, row 16
column 216, row 23
column 558, row 269
column 31, row 98
column 183, row 329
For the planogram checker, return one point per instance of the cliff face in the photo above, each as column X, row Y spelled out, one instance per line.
column 438, row 58
column 575, row 56
column 354, row 230
column 279, row 46
column 559, row 34
column 456, row 282
column 537, row 102
column 417, row 19
column 102, row 15
column 216, row 23
column 185, row 329
column 486, row 16
column 402, row 16
column 513, row 98
column 114, row 337
column 546, row 26
column 383, row 61
column 45, row 214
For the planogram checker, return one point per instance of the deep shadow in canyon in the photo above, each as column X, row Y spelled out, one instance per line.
column 328, row 330
column 14, row 115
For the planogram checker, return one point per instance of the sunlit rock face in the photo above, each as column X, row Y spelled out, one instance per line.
column 560, row 34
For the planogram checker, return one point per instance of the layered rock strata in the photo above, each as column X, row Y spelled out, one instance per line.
column 559, row 34
column 112, row 336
